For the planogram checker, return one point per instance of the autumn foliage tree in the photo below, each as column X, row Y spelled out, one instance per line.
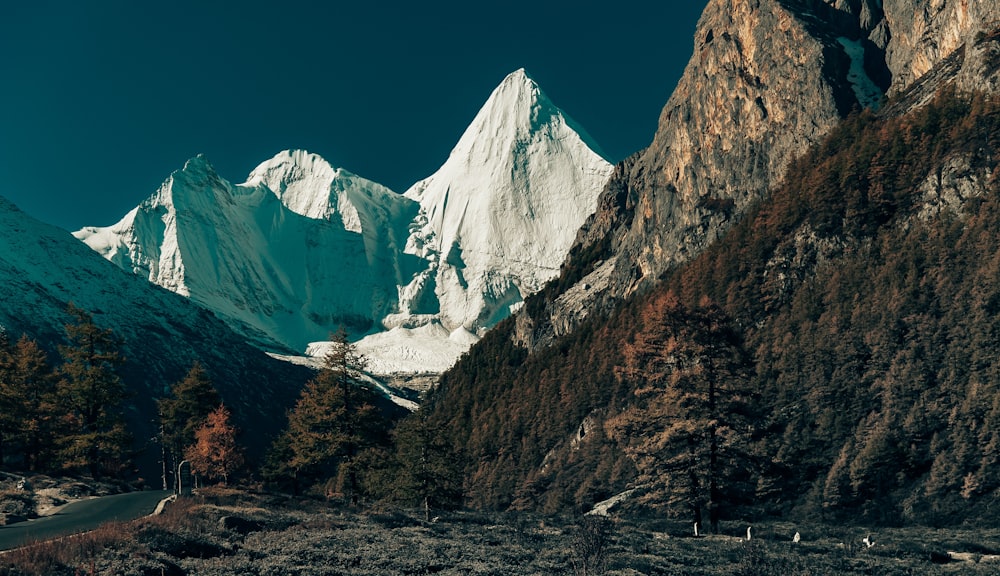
column 182, row 413
column 215, row 453
column 689, row 429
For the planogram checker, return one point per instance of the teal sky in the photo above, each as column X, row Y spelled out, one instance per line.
column 101, row 100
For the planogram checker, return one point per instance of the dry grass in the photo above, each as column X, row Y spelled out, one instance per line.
column 69, row 555
column 16, row 503
column 198, row 537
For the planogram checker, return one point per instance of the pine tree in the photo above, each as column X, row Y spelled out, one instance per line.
column 334, row 419
column 191, row 401
column 33, row 386
column 689, row 431
column 215, row 453
column 9, row 420
column 430, row 469
column 90, row 397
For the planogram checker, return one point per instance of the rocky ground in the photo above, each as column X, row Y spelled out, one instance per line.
column 221, row 531
column 26, row 497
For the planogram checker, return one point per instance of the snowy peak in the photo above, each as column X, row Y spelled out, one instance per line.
column 516, row 111
column 196, row 187
column 146, row 241
column 281, row 278
column 291, row 172
column 520, row 101
column 498, row 217
column 42, row 268
column 309, row 185
column 516, row 108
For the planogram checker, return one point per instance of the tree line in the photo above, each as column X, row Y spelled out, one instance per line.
column 339, row 441
column 68, row 417
column 339, row 444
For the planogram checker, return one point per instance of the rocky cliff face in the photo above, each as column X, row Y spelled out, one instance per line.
column 767, row 79
column 925, row 33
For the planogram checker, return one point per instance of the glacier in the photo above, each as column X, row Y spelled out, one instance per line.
column 302, row 248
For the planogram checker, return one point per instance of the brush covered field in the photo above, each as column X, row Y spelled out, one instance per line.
column 233, row 532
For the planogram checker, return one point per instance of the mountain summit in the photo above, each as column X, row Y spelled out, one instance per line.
column 497, row 219
column 282, row 278
column 302, row 248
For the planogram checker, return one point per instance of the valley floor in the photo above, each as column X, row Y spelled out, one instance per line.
column 232, row 532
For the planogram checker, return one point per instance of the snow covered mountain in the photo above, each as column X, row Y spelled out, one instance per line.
column 302, row 248
column 498, row 218
column 282, row 277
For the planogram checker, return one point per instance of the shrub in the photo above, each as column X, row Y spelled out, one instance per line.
column 590, row 545
column 16, row 503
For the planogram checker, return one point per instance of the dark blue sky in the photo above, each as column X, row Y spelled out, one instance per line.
column 101, row 100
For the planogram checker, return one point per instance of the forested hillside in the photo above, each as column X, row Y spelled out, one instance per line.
column 858, row 378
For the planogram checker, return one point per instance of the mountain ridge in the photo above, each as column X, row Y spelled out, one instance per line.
column 862, row 295
column 777, row 225
column 302, row 247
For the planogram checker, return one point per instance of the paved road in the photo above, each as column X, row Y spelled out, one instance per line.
column 81, row 516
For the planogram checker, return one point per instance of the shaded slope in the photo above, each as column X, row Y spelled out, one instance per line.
column 43, row 268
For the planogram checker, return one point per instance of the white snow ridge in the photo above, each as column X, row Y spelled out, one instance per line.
column 302, row 248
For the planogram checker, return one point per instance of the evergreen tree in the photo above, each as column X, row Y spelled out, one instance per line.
column 90, row 397
column 33, row 387
column 334, row 419
column 215, row 453
column 191, row 401
column 8, row 414
column 689, row 431
column 430, row 469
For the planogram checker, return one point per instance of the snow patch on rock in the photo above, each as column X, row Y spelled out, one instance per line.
column 869, row 95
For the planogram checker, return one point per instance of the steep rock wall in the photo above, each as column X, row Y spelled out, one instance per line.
column 925, row 33
column 767, row 79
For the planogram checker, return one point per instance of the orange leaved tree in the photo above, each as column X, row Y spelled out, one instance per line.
column 215, row 453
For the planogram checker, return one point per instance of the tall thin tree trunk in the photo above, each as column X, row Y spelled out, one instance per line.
column 714, row 496
column 693, row 485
